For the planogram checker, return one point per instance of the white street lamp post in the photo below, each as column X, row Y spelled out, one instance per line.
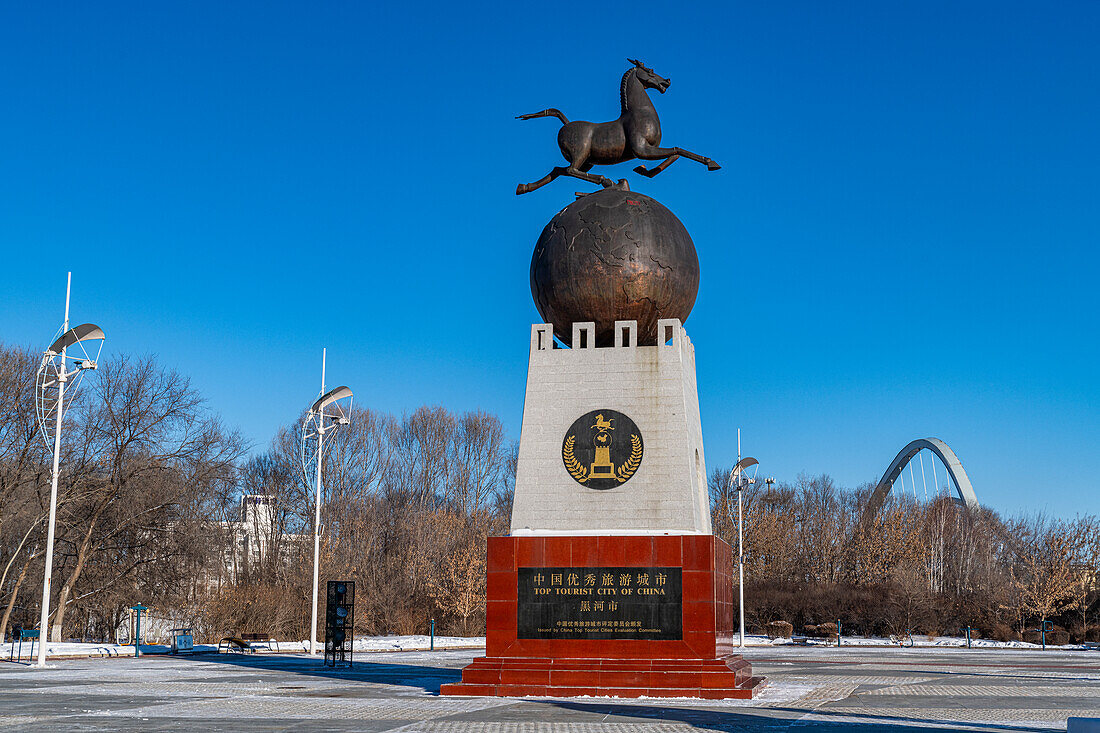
column 740, row 572
column 740, row 548
column 320, row 422
column 740, row 482
column 317, row 521
column 54, row 373
column 47, row 576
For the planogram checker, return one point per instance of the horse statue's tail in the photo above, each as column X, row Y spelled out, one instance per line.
column 546, row 113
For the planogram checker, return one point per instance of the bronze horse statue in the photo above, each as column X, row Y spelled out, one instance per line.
column 636, row 134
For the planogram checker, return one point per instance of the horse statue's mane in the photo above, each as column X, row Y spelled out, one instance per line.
column 622, row 86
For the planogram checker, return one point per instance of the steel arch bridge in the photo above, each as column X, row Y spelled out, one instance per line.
column 950, row 461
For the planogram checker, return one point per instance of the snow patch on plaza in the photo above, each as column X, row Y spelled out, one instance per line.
column 415, row 642
column 919, row 640
column 423, row 642
column 410, row 643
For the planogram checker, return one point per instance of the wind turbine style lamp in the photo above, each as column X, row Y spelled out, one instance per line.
column 54, row 372
column 331, row 410
column 740, row 481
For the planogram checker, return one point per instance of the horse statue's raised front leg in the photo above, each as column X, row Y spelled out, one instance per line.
column 563, row 171
column 650, row 172
column 551, row 112
column 670, row 155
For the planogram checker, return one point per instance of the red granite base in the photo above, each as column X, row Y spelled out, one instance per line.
column 698, row 664
column 516, row 677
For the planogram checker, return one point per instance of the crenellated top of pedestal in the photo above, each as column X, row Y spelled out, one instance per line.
column 672, row 339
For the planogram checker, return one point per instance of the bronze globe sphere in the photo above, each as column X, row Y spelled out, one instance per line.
column 614, row 255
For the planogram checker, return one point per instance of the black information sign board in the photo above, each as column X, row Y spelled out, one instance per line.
column 600, row 603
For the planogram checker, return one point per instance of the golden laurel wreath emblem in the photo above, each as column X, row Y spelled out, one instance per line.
column 623, row 471
column 630, row 465
column 576, row 470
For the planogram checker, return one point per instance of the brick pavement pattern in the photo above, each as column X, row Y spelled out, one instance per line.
column 856, row 689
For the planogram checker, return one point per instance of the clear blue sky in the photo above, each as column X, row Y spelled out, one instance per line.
column 901, row 243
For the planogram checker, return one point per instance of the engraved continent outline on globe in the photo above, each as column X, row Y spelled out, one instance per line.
column 614, row 255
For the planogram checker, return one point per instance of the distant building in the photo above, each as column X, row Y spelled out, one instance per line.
column 254, row 538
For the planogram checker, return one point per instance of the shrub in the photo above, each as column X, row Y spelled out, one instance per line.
column 821, row 631
column 778, row 629
column 998, row 632
column 1055, row 637
column 255, row 608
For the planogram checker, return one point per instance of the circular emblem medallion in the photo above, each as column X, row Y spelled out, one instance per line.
column 602, row 449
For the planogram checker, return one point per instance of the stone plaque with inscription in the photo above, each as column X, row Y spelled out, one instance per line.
column 599, row 603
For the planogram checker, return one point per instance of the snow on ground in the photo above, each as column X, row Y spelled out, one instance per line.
column 84, row 649
column 422, row 642
column 415, row 642
column 919, row 640
column 362, row 644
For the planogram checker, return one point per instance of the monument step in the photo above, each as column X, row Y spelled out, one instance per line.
column 730, row 677
column 744, row 692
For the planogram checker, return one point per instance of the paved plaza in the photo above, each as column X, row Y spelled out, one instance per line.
column 856, row 689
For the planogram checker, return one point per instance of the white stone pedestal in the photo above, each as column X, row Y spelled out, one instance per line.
column 652, row 385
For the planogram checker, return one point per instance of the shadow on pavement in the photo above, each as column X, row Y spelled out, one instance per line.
column 403, row 675
column 429, row 679
column 775, row 718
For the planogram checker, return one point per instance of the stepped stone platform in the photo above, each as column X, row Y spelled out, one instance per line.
column 517, row 677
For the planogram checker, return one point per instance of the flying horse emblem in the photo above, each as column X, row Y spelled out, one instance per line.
column 636, row 134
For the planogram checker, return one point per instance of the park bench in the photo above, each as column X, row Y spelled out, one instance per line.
column 234, row 643
column 248, row 642
column 261, row 640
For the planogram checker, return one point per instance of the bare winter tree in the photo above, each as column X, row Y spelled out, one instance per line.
column 1087, row 531
column 1045, row 576
column 422, row 443
column 155, row 442
column 480, row 459
column 24, row 471
column 459, row 585
column 909, row 602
